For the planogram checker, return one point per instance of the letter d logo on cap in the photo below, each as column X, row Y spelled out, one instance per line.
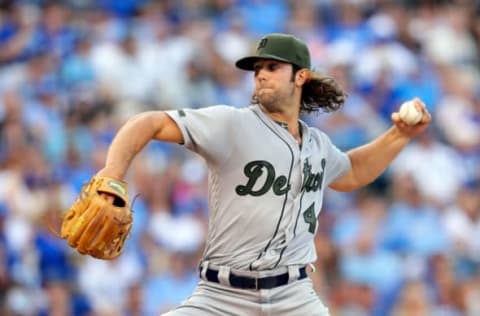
column 262, row 43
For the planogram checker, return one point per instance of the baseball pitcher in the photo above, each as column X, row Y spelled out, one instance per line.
column 268, row 172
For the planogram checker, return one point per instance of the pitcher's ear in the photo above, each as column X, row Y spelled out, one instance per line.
column 302, row 76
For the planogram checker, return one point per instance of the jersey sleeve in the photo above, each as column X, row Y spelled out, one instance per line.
column 338, row 162
column 206, row 131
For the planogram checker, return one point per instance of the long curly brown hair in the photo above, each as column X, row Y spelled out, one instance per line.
column 320, row 92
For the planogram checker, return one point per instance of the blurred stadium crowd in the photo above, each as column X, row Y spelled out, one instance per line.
column 71, row 72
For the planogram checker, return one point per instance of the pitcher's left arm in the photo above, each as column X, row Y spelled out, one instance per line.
column 370, row 160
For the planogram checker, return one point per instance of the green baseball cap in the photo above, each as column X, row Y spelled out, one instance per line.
column 281, row 47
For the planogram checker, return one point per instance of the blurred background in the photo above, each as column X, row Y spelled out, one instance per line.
column 71, row 72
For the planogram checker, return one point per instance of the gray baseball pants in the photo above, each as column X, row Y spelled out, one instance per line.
column 215, row 299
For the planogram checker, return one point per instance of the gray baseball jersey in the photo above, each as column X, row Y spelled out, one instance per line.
column 265, row 191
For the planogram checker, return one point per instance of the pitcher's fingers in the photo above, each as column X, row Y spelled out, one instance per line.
column 108, row 197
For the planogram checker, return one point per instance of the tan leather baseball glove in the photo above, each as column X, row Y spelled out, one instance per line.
column 100, row 220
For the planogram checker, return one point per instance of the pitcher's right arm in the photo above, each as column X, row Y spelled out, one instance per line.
column 133, row 136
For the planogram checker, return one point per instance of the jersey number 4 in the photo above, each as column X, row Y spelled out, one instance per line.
column 310, row 218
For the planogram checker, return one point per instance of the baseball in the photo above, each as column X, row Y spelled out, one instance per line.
column 409, row 113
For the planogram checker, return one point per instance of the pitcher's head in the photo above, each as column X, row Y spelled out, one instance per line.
column 282, row 67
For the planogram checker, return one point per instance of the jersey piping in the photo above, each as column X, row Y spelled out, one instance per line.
column 286, row 193
column 295, row 227
column 299, row 210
